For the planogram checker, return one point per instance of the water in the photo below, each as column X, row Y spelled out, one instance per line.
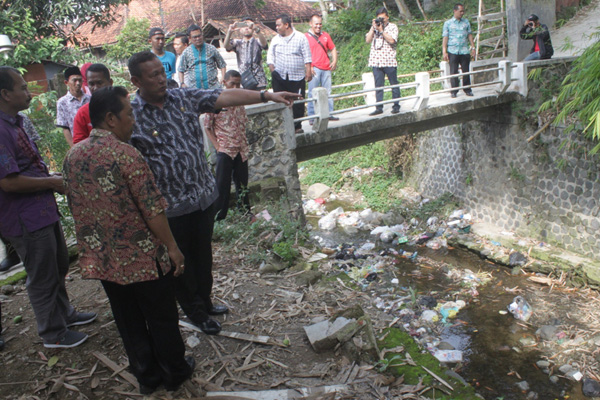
column 495, row 348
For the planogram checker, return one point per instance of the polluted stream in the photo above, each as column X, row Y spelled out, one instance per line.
column 458, row 305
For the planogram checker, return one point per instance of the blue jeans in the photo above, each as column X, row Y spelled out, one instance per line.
column 379, row 74
column 533, row 56
column 321, row 78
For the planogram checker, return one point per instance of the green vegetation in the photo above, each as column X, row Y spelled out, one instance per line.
column 133, row 38
column 255, row 240
column 578, row 101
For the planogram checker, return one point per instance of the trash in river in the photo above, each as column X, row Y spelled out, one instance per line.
column 517, row 259
column 425, row 237
column 320, row 201
column 402, row 239
column 430, row 316
column 437, row 243
column 520, row 308
column 368, row 246
column 465, row 229
column 450, row 356
column 387, row 233
column 264, row 214
column 314, row 207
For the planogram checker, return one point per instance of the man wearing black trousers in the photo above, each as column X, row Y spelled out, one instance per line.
column 290, row 62
column 455, row 47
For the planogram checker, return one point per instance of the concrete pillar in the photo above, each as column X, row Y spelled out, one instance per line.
column 505, row 75
column 445, row 67
column 422, row 79
column 520, row 73
column 321, row 109
column 369, row 83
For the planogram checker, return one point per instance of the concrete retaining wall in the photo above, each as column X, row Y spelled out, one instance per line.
column 539, row 189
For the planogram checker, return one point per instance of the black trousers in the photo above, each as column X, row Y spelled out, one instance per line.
column 285, row 85
column 228, row 168
column 193, row 288
column 147, row 319
column 463, row 60
column 379, row 74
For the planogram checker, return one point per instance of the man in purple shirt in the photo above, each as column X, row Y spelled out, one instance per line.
column 29, row 219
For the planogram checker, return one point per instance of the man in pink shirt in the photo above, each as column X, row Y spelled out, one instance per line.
column 98, row 76
column 320, row 45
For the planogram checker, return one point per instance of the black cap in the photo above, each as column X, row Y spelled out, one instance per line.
column 155, row 31
column 533, row 18
column 71, row 71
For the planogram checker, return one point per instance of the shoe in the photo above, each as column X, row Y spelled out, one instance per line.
column 299, row 130
column 395, row 110
column 71, row 339
column 1, row 343
column 147, row 390
column 453, row 95
column 469, row 93
column 209, row 327
column 83, row 318
column 192, row 363
column 334, row 119
column 10, row 261
column 376, row 112
column 217, row 310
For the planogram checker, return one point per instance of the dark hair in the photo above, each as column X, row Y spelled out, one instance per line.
column 285, row 19
column 232, row 73
column 99, row 68
column 172, row 84
column 247, row 18
column 71, row 71
column 135, row 60
column 6, row 80
column 104, row 101
column 458, row 5
column 382, row 10
column 315, row 15
column 194, row 27
column 184, row 38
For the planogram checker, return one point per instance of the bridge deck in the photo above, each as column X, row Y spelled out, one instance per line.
column 357, row 128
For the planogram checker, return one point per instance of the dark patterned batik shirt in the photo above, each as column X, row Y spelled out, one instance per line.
column 171, row 141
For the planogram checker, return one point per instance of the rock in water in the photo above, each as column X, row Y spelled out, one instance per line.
column 591, row 388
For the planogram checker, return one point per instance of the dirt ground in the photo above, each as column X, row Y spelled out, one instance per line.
column 30, row 371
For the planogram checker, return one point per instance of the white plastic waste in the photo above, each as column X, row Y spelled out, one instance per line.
column 450, row 356
column 520, row 308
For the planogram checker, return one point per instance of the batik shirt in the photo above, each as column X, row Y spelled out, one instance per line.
column 230, row 128
column 170, row 138
column 249, row 55
column 200, row 67
column 66, row 109
column 111, row 194
column 382, row 53
column 457, row 31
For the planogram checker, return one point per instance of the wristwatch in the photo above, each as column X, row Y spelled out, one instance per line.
column 263, row 98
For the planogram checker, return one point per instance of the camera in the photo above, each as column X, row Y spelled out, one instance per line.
column 379, row 21
column 531, row 24
column 241, row 25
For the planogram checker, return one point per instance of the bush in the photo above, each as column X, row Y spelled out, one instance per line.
column 132, row 39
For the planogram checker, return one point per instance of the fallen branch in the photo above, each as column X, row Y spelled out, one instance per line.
column 542, row 129
column 115, row 367
column 443, row 382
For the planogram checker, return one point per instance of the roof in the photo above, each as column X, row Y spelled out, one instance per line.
column 179, row 14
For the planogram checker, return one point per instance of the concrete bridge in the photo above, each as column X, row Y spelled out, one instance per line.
column 276, row 148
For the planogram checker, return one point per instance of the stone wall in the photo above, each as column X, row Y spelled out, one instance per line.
column 272, row 142
column 542, row 189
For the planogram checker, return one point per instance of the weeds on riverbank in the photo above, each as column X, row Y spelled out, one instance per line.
column 274, row 230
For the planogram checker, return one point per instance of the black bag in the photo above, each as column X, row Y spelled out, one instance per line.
column 249, row 80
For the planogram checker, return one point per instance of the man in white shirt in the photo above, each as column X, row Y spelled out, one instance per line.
column 289, row 60
column 180, row 43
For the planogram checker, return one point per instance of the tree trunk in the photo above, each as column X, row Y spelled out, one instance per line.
column 404, row 11
column 323, row 9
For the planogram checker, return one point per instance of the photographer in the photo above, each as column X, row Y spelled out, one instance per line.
column 542, row 45
column 383, row 37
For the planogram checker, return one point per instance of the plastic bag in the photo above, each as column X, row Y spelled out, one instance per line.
column 520, row 308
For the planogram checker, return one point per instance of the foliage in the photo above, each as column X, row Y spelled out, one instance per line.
column 281, row 235
column 132, row 39
column 29, row 47
column 348, row 24
column 61, row 18
column 443, row 205
column 579, row 96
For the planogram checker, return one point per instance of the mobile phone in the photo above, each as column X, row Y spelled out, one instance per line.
column 241, row 25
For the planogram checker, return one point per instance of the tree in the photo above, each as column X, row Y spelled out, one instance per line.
column 133, row 38
column 579, row 97
column 61, row 18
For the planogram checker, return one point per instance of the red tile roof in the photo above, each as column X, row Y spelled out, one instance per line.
column 179, row 14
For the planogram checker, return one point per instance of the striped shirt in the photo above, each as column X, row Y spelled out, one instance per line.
column 170, row 140
column 289, row 54
column 200, row 67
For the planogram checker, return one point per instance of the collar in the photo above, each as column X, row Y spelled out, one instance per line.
column 97, row 132
column 288, row 37
column 201, row 47
column 17, row 120
column 456, row 19
column 70, row 97
column 314, row 34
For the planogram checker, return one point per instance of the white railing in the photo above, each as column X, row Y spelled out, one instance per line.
column 508, row 76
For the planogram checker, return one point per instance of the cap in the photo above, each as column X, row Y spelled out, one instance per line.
column 533, row 18
column 155, row 31
column 71, row 71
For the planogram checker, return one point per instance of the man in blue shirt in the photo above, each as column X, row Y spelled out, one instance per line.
column 169, row 136
column 156, row 37
column 455, row 47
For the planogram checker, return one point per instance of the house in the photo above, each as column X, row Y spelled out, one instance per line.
column 213, row 15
